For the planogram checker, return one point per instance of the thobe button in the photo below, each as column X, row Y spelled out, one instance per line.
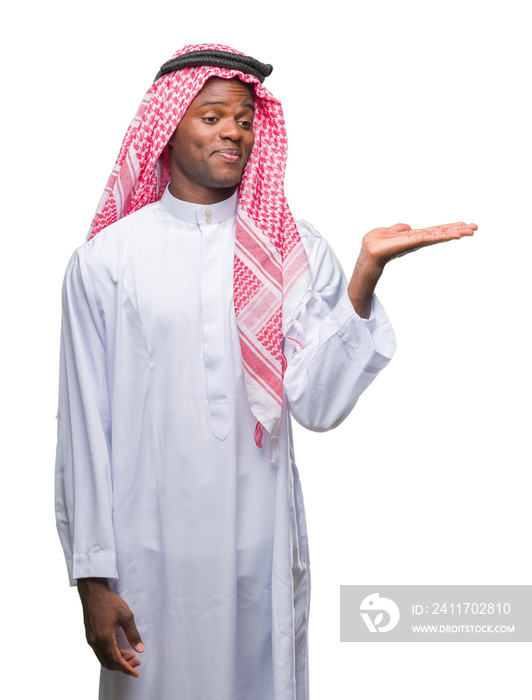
column 208, row 216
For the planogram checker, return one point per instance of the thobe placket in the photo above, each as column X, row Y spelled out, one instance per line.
column 212, row 322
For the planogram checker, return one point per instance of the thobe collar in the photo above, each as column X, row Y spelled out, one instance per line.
column 201, row 214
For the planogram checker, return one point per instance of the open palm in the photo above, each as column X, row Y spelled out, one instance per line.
column 385, row 244
column 381, row 245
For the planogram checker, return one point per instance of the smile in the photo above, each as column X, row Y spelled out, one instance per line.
column 228, row 156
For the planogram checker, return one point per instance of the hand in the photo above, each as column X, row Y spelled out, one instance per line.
column 381, row 245
column 103, row 612
column 384, row 244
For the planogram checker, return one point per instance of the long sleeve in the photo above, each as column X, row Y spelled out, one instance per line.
column 83, row 469
column 332, row 354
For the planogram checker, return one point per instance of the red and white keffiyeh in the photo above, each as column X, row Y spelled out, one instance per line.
column 271, row 271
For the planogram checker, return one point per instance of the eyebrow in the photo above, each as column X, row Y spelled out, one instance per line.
column 250, row 105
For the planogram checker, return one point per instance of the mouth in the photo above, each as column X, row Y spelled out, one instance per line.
column 229, row 155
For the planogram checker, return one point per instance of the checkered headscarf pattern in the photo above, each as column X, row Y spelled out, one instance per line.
column 271, row 267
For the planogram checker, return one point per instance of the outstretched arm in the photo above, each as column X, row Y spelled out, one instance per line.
column 332, row 354
column 381, row 245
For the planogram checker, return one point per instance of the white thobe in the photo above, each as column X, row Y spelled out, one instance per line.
column 160, row 485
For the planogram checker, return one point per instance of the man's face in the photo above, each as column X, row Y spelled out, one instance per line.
column 213, row 142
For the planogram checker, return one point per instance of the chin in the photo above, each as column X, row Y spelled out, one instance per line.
column 226, row 180
column 226, row 185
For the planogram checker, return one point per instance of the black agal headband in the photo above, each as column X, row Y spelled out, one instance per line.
column 220, row 59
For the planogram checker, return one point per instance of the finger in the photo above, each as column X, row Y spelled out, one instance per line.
column 130, row 657
column 400, row 228
column 127, row 622
column 468, row 230
column 456, row 227
column 443, row 232
column 462, row 223
column 111, row 658
column 127, row 666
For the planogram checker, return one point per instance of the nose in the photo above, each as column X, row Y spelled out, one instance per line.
column 229, row 130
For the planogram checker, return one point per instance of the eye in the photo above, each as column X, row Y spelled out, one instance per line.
column 210, row 120
column 245, row 124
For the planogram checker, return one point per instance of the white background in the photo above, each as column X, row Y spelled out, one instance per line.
column 397, row 111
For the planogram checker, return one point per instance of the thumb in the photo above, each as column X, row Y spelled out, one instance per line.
column 127, row 622
column 398, row 228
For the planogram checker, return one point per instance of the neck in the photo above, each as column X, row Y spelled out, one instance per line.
column 186, row 192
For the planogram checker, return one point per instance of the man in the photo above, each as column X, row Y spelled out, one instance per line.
column 194, row 323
